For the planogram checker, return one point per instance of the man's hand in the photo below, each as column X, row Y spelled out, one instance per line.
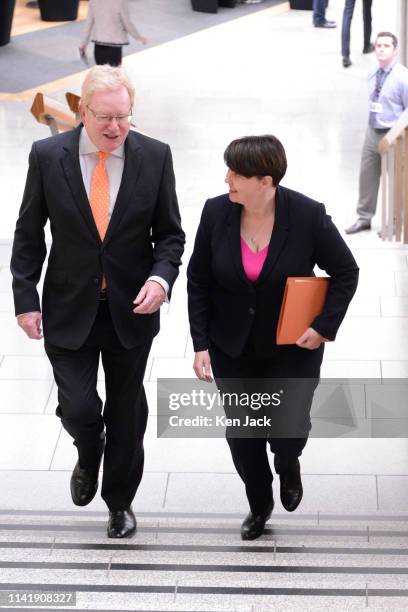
column 30, row 322
column 310, row 339
column 202, row 365
column 150, row 298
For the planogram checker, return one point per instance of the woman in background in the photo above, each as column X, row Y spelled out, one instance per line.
column 109, row 23
column 249, row 241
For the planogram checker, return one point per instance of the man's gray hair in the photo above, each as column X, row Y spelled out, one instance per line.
column 103, row 78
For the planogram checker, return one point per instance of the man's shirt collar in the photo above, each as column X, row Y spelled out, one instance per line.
column 390, row 66
column 386, row 69
column 86, row 146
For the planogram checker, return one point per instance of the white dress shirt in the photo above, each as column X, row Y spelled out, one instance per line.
column 88, row 158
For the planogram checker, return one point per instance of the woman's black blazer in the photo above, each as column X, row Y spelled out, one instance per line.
column 225, row 308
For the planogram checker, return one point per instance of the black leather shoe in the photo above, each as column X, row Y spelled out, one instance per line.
column 369, row 48
column 254, row 524
column 346, row 62
column 326, row 24
column 84, row 485
column 359, row 226
column 121, row 524
column 291, row 490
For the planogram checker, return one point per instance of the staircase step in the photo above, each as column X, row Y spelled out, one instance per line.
column 185, row 561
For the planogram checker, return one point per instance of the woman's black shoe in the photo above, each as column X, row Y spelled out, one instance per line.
column 254, row 524
column 291, row 490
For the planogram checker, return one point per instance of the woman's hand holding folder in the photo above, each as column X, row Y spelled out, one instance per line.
column 303, row 301
column 311, row 339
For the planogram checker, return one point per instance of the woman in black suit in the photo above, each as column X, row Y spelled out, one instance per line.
column 248, row 243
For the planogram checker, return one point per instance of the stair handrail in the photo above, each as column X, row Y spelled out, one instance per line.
column 393, row 148
column 392, row 135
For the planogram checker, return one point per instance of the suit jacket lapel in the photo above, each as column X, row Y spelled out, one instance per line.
column 72, row 171
column 131, row 170
column 279, row 234
column 234, row 239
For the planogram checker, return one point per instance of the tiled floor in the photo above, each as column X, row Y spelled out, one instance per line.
column 260, row 73
column 159, row 21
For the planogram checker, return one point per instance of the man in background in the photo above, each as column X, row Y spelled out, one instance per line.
column 319, row 15
column 346, row 25
column 388, row 97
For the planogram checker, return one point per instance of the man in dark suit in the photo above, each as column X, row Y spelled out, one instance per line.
column 109, row 194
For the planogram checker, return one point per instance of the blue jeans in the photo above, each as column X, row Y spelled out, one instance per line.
column 347, row 17
column 319, row 11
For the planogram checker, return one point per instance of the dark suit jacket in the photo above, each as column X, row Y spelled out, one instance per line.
column 225, row 308
column 144, row 238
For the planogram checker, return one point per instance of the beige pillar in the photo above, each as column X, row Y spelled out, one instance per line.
column 403, row 31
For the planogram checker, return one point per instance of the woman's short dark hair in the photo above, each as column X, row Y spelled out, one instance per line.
column 257, row 156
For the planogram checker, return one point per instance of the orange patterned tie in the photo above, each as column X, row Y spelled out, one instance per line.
column 99, row 198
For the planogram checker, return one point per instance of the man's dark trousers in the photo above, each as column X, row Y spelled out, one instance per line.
column 125, row 411
column 346, row 25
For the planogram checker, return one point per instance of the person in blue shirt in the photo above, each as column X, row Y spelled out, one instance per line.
column 388, row 89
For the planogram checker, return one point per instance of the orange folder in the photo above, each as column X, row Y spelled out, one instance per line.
column 303, row 300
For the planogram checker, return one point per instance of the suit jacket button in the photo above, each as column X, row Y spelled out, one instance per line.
column 252, row 311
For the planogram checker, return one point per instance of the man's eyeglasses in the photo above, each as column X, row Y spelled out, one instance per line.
column 102, row 118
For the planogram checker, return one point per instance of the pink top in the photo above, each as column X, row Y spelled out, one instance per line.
column 251, row 261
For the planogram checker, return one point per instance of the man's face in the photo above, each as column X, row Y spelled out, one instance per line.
column 106, row 118
column 385, row 50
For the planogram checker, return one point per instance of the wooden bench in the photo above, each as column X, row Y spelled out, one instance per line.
column 73, row 101
column 56, row 115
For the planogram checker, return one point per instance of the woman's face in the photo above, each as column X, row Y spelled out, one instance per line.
column 243, row 188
